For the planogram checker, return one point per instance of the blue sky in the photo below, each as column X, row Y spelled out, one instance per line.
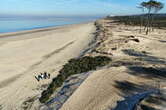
column 70, row 7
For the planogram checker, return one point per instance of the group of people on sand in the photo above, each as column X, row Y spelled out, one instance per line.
column 42, row 76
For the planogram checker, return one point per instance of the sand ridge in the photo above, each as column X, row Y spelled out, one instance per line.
column 137, row 66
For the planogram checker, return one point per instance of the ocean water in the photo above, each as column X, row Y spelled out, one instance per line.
column 20, row 24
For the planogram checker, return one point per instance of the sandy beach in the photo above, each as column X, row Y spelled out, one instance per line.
column 25, row 54
column 83, row 55
column 138, row 63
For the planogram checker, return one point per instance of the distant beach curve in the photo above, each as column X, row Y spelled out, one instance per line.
column 21, row 24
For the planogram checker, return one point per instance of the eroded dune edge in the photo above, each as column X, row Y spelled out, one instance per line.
column 137, row 67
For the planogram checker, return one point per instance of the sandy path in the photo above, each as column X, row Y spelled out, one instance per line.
column 24, row 55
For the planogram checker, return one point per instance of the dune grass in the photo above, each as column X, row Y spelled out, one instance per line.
column 74, row 66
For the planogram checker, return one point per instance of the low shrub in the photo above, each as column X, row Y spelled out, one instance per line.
column 74, row 66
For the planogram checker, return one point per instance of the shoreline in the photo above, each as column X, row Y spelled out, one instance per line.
column 26, row 54
column 40, row 29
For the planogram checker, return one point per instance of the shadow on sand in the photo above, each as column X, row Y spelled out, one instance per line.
column 129, row 90
column 162, row 41
column 135, row 94
column 145, row 56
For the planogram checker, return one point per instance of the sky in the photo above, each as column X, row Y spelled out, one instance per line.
column 71, row 7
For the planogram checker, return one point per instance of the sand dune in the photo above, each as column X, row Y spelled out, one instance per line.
column 26, row 54
column 133, row 69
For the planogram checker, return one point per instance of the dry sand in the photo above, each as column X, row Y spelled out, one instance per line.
column 25, row 54
column 128, row 74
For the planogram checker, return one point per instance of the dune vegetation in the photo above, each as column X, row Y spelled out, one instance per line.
column 74, row 66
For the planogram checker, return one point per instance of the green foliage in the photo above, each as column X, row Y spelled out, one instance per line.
column 152, row 5
column 74, row 66
column 159, row 22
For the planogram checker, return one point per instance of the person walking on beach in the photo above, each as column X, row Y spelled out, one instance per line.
column 44, row 75
column 38, row 77
column 48, row 75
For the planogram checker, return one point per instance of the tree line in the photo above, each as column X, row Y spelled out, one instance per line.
column 152, row 8
column 148, row 19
